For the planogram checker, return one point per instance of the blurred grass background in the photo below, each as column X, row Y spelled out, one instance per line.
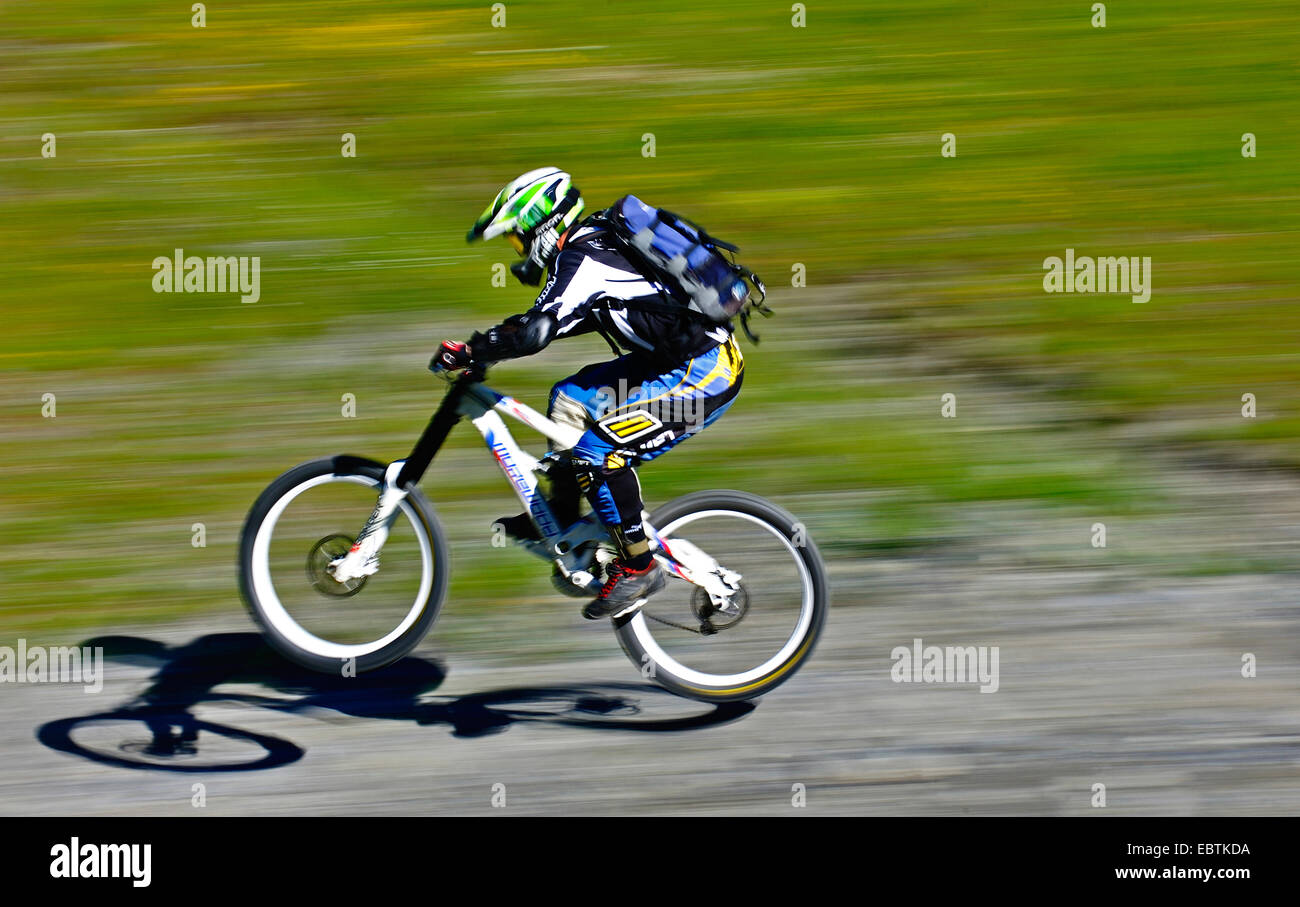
column 817, row 146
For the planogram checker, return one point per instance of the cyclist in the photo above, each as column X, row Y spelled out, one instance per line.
column 680, row 373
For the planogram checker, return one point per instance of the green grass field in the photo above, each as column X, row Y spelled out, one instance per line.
column 816, row 147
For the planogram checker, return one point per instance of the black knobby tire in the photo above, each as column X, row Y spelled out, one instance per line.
column 424, row 519
column 632, row 631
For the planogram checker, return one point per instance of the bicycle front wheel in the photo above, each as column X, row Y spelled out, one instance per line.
column 310, row 516
column 682, row 639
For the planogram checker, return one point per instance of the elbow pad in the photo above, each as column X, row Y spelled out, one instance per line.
column 519, row 335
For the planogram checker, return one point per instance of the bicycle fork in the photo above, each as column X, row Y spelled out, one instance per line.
column 362, row 558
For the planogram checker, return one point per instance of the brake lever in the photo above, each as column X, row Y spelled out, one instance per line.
column 472, row 373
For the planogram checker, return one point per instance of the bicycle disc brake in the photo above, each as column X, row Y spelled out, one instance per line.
column 713, row 618
column 323, row 553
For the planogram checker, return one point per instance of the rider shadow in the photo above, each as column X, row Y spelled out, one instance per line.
column 187, row 675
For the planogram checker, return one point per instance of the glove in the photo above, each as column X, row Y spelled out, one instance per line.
column 453, row 355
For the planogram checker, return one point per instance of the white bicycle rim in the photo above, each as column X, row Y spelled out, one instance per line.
column 271, row 608
column 658, row 656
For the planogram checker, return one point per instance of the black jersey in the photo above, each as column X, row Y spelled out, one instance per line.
column 589, row 278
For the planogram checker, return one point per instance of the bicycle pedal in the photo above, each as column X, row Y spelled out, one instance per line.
column 583, row 587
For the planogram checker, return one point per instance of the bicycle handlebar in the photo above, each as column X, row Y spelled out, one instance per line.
column 471, row 374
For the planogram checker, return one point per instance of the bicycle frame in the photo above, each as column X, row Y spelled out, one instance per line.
column 484, row 407
column 470, row 398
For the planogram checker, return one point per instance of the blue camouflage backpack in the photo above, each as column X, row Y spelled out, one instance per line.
column 695, row 271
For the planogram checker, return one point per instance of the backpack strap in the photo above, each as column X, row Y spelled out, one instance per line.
column 599, row 300
column 613, row 347
column 706, row 239
column 753, row 305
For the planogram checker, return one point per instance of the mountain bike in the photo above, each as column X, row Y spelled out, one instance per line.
column 745, row 603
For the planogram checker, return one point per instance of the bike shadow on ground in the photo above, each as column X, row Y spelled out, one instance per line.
column 189, row 675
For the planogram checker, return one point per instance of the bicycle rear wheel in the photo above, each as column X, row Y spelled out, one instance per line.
column 680, row 638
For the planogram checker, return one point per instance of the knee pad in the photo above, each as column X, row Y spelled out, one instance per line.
column 566, row 409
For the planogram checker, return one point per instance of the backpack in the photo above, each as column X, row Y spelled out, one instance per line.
column 695, row 271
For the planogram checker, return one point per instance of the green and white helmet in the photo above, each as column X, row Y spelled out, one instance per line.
column 533, row 211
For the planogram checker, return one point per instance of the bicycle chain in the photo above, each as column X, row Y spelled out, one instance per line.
column 664, row 620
